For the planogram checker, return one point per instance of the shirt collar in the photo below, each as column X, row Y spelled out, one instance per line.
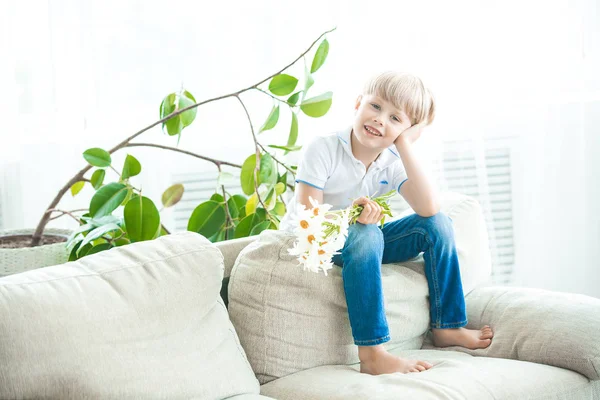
column 385, row 159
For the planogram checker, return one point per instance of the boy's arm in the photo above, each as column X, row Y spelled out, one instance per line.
column 303, row 191
column 417, row 190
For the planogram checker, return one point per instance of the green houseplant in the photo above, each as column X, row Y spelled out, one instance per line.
column 263, row 177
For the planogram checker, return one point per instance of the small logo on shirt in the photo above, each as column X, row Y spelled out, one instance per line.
column 383, row 182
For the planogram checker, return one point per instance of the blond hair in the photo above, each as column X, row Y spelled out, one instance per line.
column 406, row 92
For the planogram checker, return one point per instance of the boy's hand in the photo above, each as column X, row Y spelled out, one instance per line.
column 410, row 135
column 371, row 213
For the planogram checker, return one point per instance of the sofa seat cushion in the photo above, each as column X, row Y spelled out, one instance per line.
column 454, row 376
column 136, row 322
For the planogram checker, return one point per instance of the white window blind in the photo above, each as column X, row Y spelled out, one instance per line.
column 485, row 175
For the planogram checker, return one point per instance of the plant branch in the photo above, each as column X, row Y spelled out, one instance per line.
column 276, row 98
column 228, row 218
column 63, row 212
column 189, row 153
column 257, row 164
column 79, row 176
column 277, row 161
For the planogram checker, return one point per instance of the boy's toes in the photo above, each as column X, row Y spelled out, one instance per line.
column 486, row 333
column 484, row 343
column 425, row 364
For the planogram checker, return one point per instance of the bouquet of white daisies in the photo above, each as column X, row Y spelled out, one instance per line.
column 320, row 233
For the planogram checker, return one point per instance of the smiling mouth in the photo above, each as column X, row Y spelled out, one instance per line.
column 372, row 131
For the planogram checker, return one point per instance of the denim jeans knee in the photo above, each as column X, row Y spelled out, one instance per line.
column 361, row 240
column 438, row 225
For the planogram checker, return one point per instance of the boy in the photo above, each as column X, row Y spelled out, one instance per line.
column 372, row 156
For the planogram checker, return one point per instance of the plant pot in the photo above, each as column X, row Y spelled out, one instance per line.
column 16, row 260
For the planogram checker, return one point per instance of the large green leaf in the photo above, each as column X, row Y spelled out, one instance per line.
column 237, row 205
column 280, row 188
column 98, row 178
column 251, row 204
column 270, row 198
column 268, row 170
column 99, row 248
column 185, row 101
column 217, row 197
column 107, row 199
column 76, row 188
column 225, row 178
column 293, row 131
column 293, row 99
column 142, row 219
column 132, row 167
column 279, row 209
column 308, row 82
column 172, row 103
column 207, row 219
column 98, row 232
column 128, row 197
column 320, row 56
column 271, row 119
column 283, row 84
column 247, row 175
column 172, row 195
column 258, row 228
column 317, row 106
column 247, row 224
column 97, row 157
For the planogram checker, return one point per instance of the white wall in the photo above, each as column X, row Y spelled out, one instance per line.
column 524, row 69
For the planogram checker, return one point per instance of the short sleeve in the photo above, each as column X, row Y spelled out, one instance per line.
column 398, row 175
column 315, row 163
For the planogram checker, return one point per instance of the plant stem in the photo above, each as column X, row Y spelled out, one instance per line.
column 276, row 160
column 63, row 212
column 189, row 153
column 278, row 99
column 37, row 236
column 228, row 219
column 257, row 164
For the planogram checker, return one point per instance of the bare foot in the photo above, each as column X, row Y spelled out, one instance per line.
column 469, row 338
column 375, row 360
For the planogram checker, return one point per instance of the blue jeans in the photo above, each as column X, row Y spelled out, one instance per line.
column 369, row 246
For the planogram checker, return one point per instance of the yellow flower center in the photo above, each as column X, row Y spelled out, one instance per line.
column 304, row 224
column 310, row 238
column 316, row 211
column 321, row 252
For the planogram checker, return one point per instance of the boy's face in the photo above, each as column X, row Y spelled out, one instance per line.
column 377, row 123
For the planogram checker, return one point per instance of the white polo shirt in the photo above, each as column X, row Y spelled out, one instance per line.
column 327, row 163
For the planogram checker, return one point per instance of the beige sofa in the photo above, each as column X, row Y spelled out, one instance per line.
column 146, row 321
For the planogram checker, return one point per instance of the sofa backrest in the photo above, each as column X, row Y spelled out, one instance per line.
column 469, row 227
column 139, row 321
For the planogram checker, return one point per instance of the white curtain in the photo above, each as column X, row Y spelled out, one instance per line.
column 514, row 78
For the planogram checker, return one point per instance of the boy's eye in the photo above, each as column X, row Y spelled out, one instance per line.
column 395, row 118
column 375, row 106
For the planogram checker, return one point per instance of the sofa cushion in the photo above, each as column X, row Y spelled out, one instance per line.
column 538, row 325
column 289, row 319
column 139, row 321
column 454, row 376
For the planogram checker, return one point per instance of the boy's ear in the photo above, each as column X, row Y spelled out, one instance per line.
column 358, row 100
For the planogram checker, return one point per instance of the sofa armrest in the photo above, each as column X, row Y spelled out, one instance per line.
column 230, row 250
column 540, row 326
